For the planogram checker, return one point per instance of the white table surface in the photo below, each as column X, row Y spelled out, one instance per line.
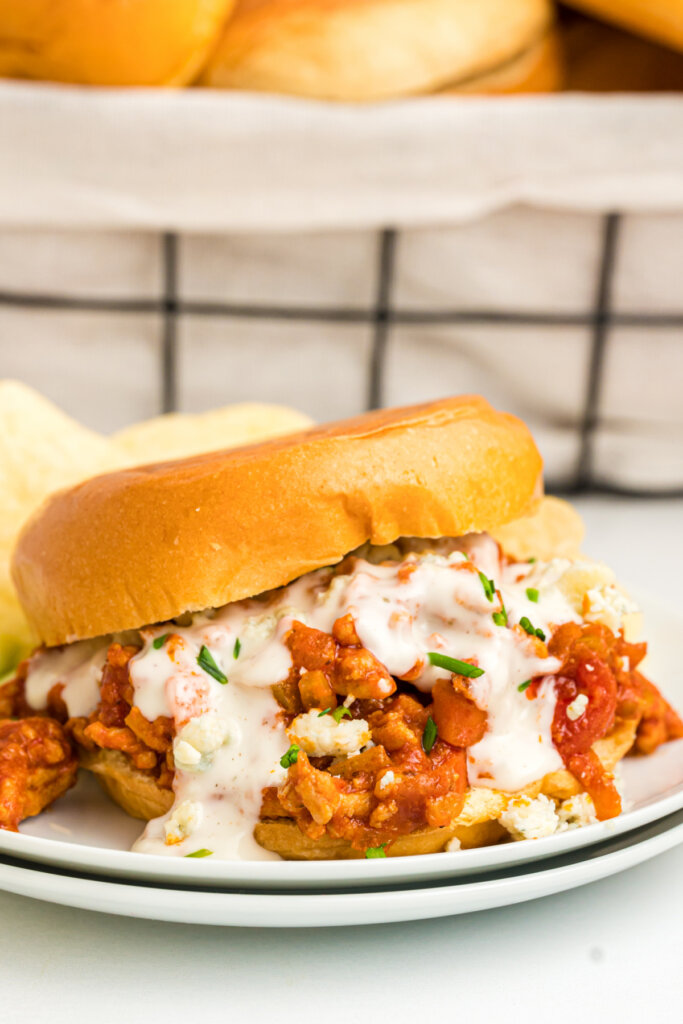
column 610, row 951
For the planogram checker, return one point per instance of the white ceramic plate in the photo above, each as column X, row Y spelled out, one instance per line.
column 324, row 909
column 85, row 832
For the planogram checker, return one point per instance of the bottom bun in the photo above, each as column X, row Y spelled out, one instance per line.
column 137, row 792
column 140, row 795
column 610, row 750
column 286, row 838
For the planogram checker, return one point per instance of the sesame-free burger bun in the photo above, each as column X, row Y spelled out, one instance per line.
column 540, row 68
column 368, row 50
column 117, row 42
column 140, row 546
column 661, row 20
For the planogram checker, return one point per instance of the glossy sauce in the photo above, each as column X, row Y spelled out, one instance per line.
column 434, row 601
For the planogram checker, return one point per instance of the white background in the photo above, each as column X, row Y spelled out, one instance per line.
column 610, row 951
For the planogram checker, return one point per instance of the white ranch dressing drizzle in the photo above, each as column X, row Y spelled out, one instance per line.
column 78, row 666
column 169, row 681
column 402, row 610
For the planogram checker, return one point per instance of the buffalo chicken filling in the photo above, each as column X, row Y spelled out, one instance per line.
column 361, row 702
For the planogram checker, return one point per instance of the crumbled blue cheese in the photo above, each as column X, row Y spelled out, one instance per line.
column 576, row 811
column 588, row 586
column 198, row 741
column 608, row 605
column 321, row 736
column 530, row 818
column 186, row 818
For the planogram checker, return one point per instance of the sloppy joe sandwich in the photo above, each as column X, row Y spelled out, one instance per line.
column 371, row 638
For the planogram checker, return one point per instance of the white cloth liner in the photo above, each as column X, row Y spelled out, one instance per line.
column 245, row 179
column 216, row 161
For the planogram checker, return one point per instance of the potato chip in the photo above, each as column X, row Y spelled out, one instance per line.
column 178, row 435
column 43, row 450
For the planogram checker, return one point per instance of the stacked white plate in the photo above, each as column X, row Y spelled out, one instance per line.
column 77, row 854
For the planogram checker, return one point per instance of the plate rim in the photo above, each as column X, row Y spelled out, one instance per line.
column 122, row 864
column 314, row 909
column 314, row 874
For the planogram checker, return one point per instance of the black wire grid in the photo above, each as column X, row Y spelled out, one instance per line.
column 382, row 316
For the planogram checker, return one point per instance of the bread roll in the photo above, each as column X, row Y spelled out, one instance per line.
column 353, row 50
column 540, row 68
column 145, row 545
column 661, row 20
column 602, row 58
column 117, row 42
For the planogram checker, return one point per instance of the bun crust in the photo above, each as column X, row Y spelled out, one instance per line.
column 368, row 50
column 140, row 546
column 146, row 42
column 137, row 792
column 661, row 20
column 539, row 68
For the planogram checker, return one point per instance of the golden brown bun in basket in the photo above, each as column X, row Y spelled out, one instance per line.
column 144, row 545
column 661, row 20
column 117, row 42
column 364, row 50
column 540, row 68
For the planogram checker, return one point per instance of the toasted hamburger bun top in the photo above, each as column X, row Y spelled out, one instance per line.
column 370, row 49
column 120, row 42
column 144, row 545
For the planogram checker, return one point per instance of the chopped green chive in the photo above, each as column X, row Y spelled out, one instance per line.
column 290, row 757
column 501, row 618
column 530, row 629
column 200, row 853
column 205, row 661
column 461, row 668
column 429, row 735
column 532, row 594
column 236, row 649
column 522, row 686
column 532, row 560
column 375, row 851
column 160, row 641
column 488, row 585
column 337, row 714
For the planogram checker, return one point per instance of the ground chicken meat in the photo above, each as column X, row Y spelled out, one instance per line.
column 37, row 764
